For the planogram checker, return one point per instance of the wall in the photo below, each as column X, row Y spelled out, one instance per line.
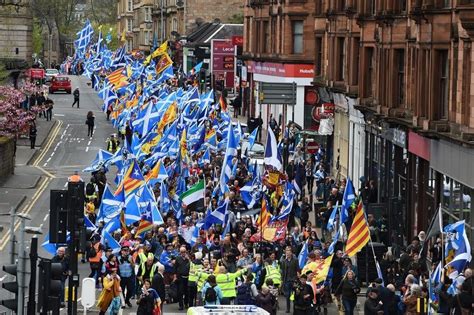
column 221, row 9
column 16, row 32
column 7, row 159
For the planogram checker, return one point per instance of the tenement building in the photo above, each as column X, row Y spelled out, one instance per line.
column 400, row 74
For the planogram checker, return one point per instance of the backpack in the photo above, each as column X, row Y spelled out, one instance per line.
column 92, row 252
column 244, row 295
column 90, row 189
column 211, row 295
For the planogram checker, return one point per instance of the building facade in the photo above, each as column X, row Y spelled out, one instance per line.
column 16, row 29
column 399, row 74
column 278, row 48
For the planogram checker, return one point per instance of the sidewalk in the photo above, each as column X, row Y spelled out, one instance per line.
column 14, row 191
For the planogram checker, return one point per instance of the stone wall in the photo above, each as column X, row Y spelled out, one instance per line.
column 7, row 158
column 209, row 10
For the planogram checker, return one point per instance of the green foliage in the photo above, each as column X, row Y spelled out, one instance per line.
column 3, row 73
column 237, row 18
column 37, row 38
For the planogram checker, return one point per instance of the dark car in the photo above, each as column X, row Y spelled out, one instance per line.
column 60, row 83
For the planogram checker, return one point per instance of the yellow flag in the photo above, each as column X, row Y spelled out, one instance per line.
column 123, row 38
column 158, row 52
column 168, row 117
column 320, row 269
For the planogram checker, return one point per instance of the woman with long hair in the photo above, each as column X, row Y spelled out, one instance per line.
column 349, row 288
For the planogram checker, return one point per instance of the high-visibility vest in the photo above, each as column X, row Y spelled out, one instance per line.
column 194, row 269
column 152, row 271
column 227, row 283
column 201, row 280
column 273, row 273
column 98, row 256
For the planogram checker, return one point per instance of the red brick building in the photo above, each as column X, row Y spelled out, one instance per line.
column 400, row 74
column 278, row 48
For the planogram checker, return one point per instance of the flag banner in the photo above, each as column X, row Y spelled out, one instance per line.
column 320, row 268
column 194, row 197
column 359, row 235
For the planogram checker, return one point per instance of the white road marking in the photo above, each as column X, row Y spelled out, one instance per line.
column 52, row 154
column 41, row 226
column 49, row 159
column 3, row 278
column 46, row 217
column 45, row 164
column 87, row 149
column 65, row 185
column 59, row 115
column 89, row 143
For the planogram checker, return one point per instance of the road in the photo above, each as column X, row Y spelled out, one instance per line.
column 67, row 149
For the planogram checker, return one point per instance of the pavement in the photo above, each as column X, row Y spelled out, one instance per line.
column 63, row 148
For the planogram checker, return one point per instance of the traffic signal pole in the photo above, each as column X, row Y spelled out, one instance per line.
column 32, row 288
column 12, row 235
column 21, row 267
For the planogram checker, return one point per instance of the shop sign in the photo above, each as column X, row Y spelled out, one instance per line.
column 223, row 63
column 237, row 40
column 281, row 70
column 396, row 136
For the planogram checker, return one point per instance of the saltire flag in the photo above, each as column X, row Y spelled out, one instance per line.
column 146, row 222
column 434, row 280
column 196, row 231
column 217, row 216
column 226, row 229
column 379, row 272
column 131, row 212
column 113, row 225
column 332, row 246
column 347, row 200
column 320, row 269
column 83, row 40
column 118, row 78
column 109, row 241
column 132, row 180
column 272, row 155
column 252, row 138
column 288, row 199
column 101, row 158
column 166, row 75
column 193, row 198
column 332, row 217
column 251, row 192
column 165, row 202
column 222, row 103
column 231, row 151
column 110, row 205
column 303, row 255
column 205, row 158
column 89, row 225
column 359, row 235
column 196, row 68
column 457, row 249
column 52, row 247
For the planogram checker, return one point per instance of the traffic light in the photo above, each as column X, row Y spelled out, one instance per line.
column 12, row 287
column 202, row 76
column 50, row 286
column 75, row 201
column 58, row 217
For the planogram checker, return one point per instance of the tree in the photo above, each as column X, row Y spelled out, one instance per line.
column 237, row 18
column 103, row 11
column 37, row 37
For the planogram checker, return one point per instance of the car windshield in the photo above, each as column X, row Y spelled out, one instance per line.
column 62, row 79
column 52, row 71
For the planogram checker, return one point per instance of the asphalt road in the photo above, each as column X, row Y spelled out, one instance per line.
column 66, row 150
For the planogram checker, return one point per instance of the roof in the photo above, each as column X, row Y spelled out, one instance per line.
column 209, row 31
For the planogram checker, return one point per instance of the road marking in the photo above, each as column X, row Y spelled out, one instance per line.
column 41, row 226
column 3, row 278
column 47, row 161
column 59, row 115
column 5, row 239
column 87, row 149
column 48, row 144
column 89, row 143
column 44, row 165
column 46, row 217
column 65, row 185
column 45, row 171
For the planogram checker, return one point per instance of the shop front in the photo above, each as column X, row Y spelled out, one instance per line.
column 453, row 165
column 270, row 72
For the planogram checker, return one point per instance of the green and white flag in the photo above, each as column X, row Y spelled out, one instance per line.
column 194, row 197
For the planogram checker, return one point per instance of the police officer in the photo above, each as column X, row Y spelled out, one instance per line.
column 195, row 267
column 127, row 276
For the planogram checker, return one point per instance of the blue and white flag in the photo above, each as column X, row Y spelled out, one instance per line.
column 272, row 156
column 110, row 205
column 217, row 216
column 252, row 138
column 101, row 158
column 165, row 202
column 457, row 249
column 332, row 217
column 109, row 241
column 230, row 152
column 303, row 255
column 347, row 200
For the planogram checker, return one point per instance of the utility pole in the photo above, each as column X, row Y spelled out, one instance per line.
column 12, row 235
column 21, row 263
column 50, row 43
column 32, row 288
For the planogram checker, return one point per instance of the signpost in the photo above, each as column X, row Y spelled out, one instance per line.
column 223, row 61
column 278, row 94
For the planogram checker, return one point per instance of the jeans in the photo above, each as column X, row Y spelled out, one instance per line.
column 182, row 291
column 287, row 287
column 49, row 114
column 127, row 284
column 349, row 306
column 90, row 130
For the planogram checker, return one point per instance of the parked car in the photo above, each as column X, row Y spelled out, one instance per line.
column 60, row 83
column 50, row 74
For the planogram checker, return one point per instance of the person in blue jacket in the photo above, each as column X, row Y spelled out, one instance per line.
column 211, row 292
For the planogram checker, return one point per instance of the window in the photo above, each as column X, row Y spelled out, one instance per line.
column 147, row 14
column 319, row 55
column 341, row 5
column 146, row 38
column 369, row 74
column 443, row 84
column 355, row 61
column 266, row 38
column 400, row 82
column 129, row 25
column 297, row 28
column 341, row 58
column 175, row 25
column 130, row 44
column 129, row 5
column 466, row 82
column 400, row 6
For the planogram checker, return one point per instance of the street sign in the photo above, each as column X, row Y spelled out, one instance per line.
column 88, row 292
column 312, row 147
column 278, row 93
